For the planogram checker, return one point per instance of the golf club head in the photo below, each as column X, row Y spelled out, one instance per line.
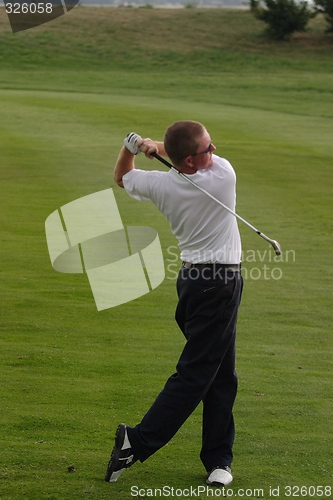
column 276, row 246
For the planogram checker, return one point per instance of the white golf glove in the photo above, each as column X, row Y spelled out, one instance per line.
column 130, row 143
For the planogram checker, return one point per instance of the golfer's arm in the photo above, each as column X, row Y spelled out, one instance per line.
column 124, row 164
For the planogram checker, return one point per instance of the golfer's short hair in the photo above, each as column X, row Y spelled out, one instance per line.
column 181, row 139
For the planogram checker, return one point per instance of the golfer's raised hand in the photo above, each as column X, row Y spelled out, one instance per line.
column 148, row 147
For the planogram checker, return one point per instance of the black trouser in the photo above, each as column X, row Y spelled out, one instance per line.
column 207, row 315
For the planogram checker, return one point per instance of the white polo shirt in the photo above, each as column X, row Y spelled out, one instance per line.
column 206, row 232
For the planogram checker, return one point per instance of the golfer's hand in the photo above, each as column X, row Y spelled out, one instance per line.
column 148, row 147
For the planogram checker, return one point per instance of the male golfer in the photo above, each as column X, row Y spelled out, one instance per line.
column 209, row 288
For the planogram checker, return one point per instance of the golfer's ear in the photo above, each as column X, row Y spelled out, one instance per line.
column 188, row 161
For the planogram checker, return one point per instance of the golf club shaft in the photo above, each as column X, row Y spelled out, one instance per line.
column 274, row 243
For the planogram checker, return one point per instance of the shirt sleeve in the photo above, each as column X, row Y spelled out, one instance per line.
column 136, row 184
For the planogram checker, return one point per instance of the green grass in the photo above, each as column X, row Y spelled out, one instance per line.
column 69, row 92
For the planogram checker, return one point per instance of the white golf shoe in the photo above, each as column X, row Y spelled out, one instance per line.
column 220, row 476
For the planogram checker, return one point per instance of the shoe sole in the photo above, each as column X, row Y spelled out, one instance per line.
column 217, row 484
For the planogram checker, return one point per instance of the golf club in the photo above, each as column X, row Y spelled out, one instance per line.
column 274, row 243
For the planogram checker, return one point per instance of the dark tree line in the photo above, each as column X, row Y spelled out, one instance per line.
column 284, row 17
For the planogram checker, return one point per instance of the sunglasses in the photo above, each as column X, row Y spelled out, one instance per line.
column 206, row 152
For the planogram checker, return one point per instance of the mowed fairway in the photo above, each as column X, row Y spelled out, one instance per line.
column 69, row 93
